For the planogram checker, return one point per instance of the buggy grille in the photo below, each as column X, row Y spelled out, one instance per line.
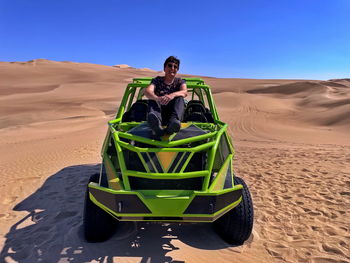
column 164, row 162
column 138, row 183
column 132, row 161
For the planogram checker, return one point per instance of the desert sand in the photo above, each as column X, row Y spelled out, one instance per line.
column 292, row 142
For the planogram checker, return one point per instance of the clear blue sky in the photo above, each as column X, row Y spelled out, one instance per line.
column 307, row 39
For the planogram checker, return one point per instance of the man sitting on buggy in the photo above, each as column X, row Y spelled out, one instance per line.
column 166, row 99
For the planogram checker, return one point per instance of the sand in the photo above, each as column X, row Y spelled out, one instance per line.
column 292, row 141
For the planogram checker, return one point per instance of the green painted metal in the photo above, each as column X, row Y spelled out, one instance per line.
column 167, row 175
column 168, row 203
column 166, row 143
column 139, row 149
column 221, row 174
column 186, row 162
column 165, row 203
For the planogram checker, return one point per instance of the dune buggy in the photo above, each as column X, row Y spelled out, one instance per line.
column 184, row 177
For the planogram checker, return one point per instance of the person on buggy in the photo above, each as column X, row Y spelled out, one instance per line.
column 166, row 99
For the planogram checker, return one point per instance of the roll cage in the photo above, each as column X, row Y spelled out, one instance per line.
column 193, row 172
column 197, row 90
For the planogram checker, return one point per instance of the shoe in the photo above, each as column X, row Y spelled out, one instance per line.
column 173, row 126
column 154, row 123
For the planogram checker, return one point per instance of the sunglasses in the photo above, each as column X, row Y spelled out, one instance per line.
column 169, row 65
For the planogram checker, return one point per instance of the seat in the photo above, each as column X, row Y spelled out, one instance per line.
column 196, row 112
column 138, row 112
column 195, row 117
column 209, row 116
column 194, row 102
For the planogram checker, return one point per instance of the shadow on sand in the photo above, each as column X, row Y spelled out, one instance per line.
column 52, row 229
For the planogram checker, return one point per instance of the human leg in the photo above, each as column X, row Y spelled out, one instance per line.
column 154, row 118
column 174, row 112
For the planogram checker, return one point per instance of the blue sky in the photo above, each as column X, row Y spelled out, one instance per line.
column 307, row 39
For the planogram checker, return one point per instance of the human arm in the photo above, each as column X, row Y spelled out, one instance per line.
column 149, row 92
column 181, row 93
column 164, row 100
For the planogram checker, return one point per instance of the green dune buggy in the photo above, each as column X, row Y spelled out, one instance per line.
column 185, row 177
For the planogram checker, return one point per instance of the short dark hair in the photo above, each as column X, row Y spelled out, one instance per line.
column 172, row 59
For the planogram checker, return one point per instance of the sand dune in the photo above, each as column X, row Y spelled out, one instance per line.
column 321, row 103
column 292, row 141
column 302, row 88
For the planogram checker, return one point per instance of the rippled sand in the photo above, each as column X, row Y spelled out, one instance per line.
column 292, row 141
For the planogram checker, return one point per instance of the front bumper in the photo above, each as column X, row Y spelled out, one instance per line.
column 170, row 205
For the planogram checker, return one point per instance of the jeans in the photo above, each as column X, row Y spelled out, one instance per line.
column 174, row 109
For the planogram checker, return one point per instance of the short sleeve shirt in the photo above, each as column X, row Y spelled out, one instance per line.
column 162, row 89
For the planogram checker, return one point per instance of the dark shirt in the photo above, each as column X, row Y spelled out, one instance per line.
column 162, row 89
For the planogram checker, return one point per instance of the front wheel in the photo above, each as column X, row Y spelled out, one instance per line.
column 236, row 225
column 98, row 224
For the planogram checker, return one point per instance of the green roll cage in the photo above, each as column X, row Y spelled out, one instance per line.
column 166, row 161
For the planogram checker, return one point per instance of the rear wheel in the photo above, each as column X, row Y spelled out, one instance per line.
column 236, row 225
column 98, row 224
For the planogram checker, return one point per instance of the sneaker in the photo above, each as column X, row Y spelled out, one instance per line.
column 173, row 126
column 154, row 123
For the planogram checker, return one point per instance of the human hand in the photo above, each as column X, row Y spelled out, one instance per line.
column 164, row 100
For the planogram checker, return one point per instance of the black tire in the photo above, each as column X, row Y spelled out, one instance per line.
column 236, row 225
column 98, row 224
